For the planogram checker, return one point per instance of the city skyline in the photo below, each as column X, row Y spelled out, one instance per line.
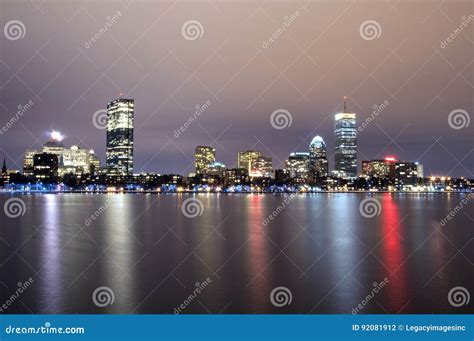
column 412, row 91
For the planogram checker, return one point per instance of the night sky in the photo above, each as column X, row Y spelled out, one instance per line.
column 320, row 57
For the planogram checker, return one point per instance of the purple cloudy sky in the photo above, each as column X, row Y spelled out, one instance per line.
column 320, row 56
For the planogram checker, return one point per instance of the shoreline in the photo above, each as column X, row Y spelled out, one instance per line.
column 245, row 193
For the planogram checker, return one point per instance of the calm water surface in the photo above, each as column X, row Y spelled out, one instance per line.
column 319, row 246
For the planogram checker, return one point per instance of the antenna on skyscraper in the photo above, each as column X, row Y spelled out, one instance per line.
column 345, row 100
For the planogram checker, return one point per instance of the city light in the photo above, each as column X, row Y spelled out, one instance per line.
column 56, row 136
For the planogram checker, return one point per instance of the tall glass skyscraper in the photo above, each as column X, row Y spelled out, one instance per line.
column 345, row 135
column 318, row 162
column 120, row 115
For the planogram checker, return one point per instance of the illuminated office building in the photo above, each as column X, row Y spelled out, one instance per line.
column 120, row 117
column 318, row 162
column 400, row 173
column 246, row 158
column 204, row 156
column 382, row 169
column 72, row 160
column 406, row 174
column 261, row 167
column 28, row 162
column 297, row 166
column 216, row 169
column 345, row 135
column 77, row 161
column 45, row 166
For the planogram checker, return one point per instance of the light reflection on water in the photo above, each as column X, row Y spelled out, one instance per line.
column 319, row 246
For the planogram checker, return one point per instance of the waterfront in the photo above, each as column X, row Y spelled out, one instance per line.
column 153, row 254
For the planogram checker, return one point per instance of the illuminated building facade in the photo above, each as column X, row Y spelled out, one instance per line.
column 246, row 158
column 216, row 169
column 345, row 150
column 235, row 176
column 406, row 174
column 400, row 173
column 120, row 118
column 72, row 160
column 28, row 162
column 204, row 156
column 379, row 168
column 45, row 166
column 261, row 167
column 255, row 163
column 318, row 162
column 297, row 166
column 77, row 161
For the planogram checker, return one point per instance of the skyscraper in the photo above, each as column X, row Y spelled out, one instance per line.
column 204, row 156
column 345, row 135
column 318, row 162
column 120, row 116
